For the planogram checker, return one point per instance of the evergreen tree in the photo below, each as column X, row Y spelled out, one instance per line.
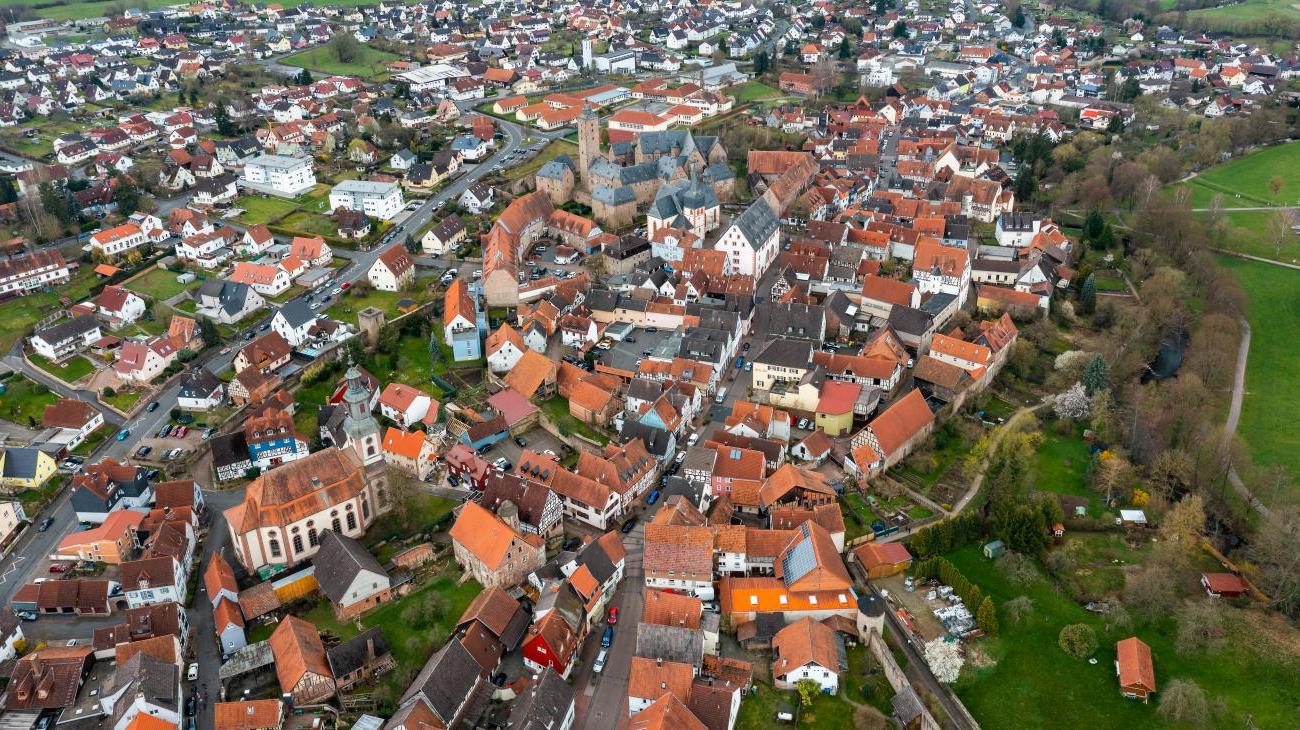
column 225, row 126
column 761, row 63
column 1096, row 376
column 8, row 191
column 1116, row 124
column 845, row 52
column 1026, row 183
column 1088, row 296
column 900, row 29
column 986, row 617
column 1018, row 17
column 1093, row 225
column 303, row 78
column 127, row 196
column 208, row 331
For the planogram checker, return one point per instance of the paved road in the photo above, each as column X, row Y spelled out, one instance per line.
column 604, row 696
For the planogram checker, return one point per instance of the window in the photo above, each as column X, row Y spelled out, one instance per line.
column 275, row 547
column 352, row 520
column 297, row 543
column 311, row 537
column 336, row 525
column 365, row 509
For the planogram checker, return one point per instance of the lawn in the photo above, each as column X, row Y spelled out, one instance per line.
column 19, row 315
column 1249, row 11
column 552, row 150
column 159, row 284
column 303, row 223
column 370, row 62
column 557, row 409
column 346, row 308
column 1030, row 682
column 423, row 516
column 70, row 371
column 759, row 710
column 1062, row 468
column 122, row 400
column 1248, row 233
column 70, row 10
column 263, row 209
column 24, row 402
column 410, row 364
column 1272, row 384
column 87, row 447
column 753, row 91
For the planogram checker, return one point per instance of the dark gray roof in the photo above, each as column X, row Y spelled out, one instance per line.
column 910, row 321
column 790, row 319
column 355, row 653
column 338, row 562
column 20, row 463
column 448, row 680
column 297, row 313
column 199, row 383
column 670, row 643
column 593, row 556
column 229, row 449
column 543, row 704
column 657, row 440
column 613, row 196
column 786, row 353
column 155, row 679
column 757, row 223
column 68, row 329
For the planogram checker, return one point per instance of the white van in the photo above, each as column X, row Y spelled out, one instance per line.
column 721, row 397
column 599, row 666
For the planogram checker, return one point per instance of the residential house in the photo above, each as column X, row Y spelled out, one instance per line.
column 300, row 662
column 350, row 576
column 393, row 270
column 492, row 550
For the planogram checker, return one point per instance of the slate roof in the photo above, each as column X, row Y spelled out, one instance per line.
column 542, row 703
column 338, row 562
column 353, row 654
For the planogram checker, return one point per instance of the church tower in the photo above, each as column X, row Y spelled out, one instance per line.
column 588, row 145
column 360, row 424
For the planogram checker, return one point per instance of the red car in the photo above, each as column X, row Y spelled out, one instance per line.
column 346, row 285
column 182, row 432
column 613, row 616
column 58, row 567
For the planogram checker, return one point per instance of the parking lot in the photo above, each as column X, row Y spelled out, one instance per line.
column 158, row 449
column 537, row 440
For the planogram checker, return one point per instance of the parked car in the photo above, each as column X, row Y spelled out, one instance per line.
column 193, row 672
column 45, row 524
column 182, row 432
column 694, row 439
column 121, row 435
column 628, row 526
column 571, row 543
column 710, row 606
column 612, row 617
column 165, row 431
column 654, row 497
column 152, row 407
column 599, row 666
column 607, row 638
column 681, row 456
column 503, row 464
column 26, row 615
column 520, row 442
column 59, row 567
column 143, row 451
column 803, row 423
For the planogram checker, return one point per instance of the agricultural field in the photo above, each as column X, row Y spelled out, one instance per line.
column 1244, row 181
column 1272, row 387
column 1247, row 11
column 369, row 63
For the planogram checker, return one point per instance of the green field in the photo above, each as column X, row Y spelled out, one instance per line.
column 753, row 91
column 19, row 315
column 1032, row 683
column 263, row 209
column 122, row 400
column 24, row 402
column 1244, row 181
column 349, row 303
column 1250, row 10
column 370, row 62
column 1272, row 382
column 159, row 284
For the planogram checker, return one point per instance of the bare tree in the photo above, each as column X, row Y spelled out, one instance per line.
column 1280, row 229
column 1183, row 701
column 1202, row 625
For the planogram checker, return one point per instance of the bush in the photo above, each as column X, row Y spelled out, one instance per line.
column 108, row 392
column 40, row 389
column 1078, row 640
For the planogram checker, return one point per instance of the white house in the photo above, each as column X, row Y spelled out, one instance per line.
column 265, row 279
column 153, row 580
column 66, row 338
column 752, row 240
column 200, row 391
column 293, row 321
column 118, row 240
column 382, row 200
column 807, row 650
column 1017, row 229
column 403, row 404
column 281, row 175
column 392, row 270
column 478, row 197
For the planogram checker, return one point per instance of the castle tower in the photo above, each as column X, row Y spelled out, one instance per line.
column 370, row 321
column 588, row 145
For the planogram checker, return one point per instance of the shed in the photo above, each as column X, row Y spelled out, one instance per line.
column 1132, row 517
column 1223, row 584
column 994, row 550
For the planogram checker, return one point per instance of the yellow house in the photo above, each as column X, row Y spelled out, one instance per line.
column 25, row 468
column 835, row 407
column 782, row 361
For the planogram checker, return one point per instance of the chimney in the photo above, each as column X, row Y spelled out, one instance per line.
column 370, row 648
column 659, row 662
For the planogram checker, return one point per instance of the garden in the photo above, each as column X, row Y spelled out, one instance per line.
column 69, row 371
column 367, row 63
column 24, row 401
column 159, row 284
column 24, row 312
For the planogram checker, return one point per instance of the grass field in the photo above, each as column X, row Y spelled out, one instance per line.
column 159, row 284
column 263, row 209
column 1248, row 177
column 753, row 91
column 1272, row 382
column 24, row 401
column 123, row 400
column 557, row 409
column 309, row 224
column 1029, row 682
column 346, row 308
column 1062, row 468
column 1250, row 10
column 370, row 62
column 18, row 315
column 69, row 371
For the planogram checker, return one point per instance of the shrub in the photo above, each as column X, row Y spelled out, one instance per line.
column 41, row 389
column 1078, row 640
